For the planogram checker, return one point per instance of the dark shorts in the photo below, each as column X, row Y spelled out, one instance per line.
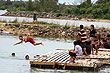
column 72, row 54
column 97, row 46
column 88, row 50
column 34, row 18
column 56, row 66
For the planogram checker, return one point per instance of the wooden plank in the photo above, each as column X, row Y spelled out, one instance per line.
column 62, row 57
column 94, row 57
column 51, row 63
column 103, row 49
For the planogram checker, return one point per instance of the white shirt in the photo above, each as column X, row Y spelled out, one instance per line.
column 79, row 50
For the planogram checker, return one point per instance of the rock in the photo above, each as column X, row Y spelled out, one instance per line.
column 48, row 31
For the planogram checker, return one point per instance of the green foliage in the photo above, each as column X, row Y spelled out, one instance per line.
column 66, row 27
column 39, row 5
column 106, row 16
column 99, row 10
column 67, row 10
column 58, row 14
column 80, row 17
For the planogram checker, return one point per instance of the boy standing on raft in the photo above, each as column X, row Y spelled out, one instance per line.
column 28, row 39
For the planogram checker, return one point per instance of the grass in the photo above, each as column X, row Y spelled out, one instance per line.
column 15, row 21
column 24, row 22
column 65, row 27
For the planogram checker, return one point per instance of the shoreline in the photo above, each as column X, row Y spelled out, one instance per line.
column 52, row 16
column 50, row 31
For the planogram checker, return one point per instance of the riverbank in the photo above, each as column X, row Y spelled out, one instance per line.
column 54, row 31
column 52, row 16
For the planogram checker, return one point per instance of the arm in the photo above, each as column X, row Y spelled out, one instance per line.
column 92, row 49
column 74, row 51
column 19, row 43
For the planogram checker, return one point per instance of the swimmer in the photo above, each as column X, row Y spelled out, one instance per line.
column 27, row 57
column 13, row 54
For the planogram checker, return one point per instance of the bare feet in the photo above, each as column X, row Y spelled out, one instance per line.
column 42, row 44
column 95, row 53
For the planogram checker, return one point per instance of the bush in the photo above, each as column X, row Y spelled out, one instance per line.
column 58, row 14
column 67, row 10
column 106, row 16
column 80, row 17
column 66, row 27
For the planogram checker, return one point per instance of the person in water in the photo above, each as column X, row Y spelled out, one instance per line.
column 28, row 39
column 27, row 57
column 35, row 17
column 13, row 54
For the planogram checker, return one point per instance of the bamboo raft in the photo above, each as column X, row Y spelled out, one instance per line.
column 61, row 57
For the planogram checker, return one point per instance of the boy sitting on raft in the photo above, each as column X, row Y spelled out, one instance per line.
column 77, row 52
column 28, row 39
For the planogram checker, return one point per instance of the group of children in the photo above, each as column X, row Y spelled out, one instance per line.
column 86, row 46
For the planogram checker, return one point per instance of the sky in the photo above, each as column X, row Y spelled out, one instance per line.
column 74, row 1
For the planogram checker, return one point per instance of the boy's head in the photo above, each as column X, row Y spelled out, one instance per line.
column 92, row 26
column 21, row 37
column 81, row 26
column 34, row 9
column 27, row 57
column 75, row 43
column 13, row 54
column 1, row 31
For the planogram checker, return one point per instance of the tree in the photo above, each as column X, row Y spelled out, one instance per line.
column 89, row 2
column 8, row 2
column 67, row 10
column 30, row 5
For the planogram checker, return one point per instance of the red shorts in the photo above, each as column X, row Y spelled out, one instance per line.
column 29, row 39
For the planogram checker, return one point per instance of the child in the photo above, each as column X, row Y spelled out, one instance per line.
column 13, row 54
column 76, row 52
column 95, row 44
column 27, row 57
column 35, row 17
column 28, row 39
